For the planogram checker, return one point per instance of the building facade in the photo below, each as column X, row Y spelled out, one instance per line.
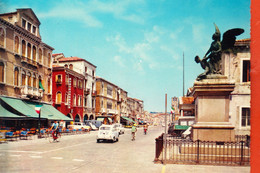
column 88, row 70
column 68, row 92
column 107, row 100
column 25, row 63
column 236, row 66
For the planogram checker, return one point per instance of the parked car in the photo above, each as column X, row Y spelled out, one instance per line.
column 108, row 132
column 120, row 128
column 94, row 122
column 79, row 125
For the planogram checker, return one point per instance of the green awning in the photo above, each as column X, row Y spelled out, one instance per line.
column 7, row 114
column 55, row 113
column 181, row 127
column 129, row 119
column 20, row 107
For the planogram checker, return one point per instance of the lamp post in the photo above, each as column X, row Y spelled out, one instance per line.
column 38, row 110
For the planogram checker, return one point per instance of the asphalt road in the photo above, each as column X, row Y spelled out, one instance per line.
column 81, row 153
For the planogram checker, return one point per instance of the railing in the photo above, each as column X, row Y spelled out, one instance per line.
column 203, row 152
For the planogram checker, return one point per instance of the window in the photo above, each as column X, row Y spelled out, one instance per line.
column 16, row 76
column 74, row 100
column 245, row 119
column 49, row 86
column 58, row 78
column 109, row 91
column 23, row 48
column 34, row 81
column 86, row 69
column 40, row 56
column 2, row 37
column 246, row 71
column 23, row 23
column 85, row 101
column 66, row 65
column 29, row 47
column 29, row 26
column 34, row 30
column 23, row 77
column 34, row 53
column 16, row 44
column 75, row 82
column 58, row 97
column 29, row 80
column 80, row 84
column 71, row 66
column 79, row 100
column 109, row 105
column 49, row 60
column 2, row 72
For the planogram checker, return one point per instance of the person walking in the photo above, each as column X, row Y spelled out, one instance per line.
column 134, row 130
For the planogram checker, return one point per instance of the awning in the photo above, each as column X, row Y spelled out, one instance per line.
column 55, row 112
column 20, row 107
column 129, row 119
column 5, row 114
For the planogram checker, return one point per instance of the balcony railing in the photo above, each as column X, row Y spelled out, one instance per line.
column 31, row 92
column 29, row 61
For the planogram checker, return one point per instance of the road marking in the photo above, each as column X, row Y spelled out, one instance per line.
column 67, row 147
column 13, row 151
column 36, row 157
column 78, row 160
column 163, row 169
column 58, row 158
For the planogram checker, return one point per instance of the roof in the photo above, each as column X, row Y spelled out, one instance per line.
column 186, row 100
column 71, row 59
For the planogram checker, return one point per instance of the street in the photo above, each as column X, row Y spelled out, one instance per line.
column 81, row 153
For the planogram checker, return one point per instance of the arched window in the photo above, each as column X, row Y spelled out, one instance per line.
column 23, row 77
column 34, row 53
column 34, row 80
column 2, row 37
column 2, row 72
column 74, row 100
column 40, row 56
column 29, row 49
column 49, row 60
column 16, row 76
column 16, row 44
column 49, row 85
column 29, row 79
column 23, row 48
column 58, row 97
column 71, row 66
column 66, row 65
column 79, row 100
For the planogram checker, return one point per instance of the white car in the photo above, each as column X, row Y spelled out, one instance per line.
column 79, row 125
column 120, row 128
column 108, row 132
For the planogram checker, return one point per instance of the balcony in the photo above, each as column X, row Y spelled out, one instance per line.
column 86, row 91
column 29, row 61
column 31, row 92
column 58, row 82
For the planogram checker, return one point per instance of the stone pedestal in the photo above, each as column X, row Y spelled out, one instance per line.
column 212, row 109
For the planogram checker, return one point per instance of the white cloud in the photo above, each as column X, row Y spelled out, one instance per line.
column 87, row 12
column 118, row 59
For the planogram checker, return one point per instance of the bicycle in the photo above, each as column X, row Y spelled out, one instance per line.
column 52, row 137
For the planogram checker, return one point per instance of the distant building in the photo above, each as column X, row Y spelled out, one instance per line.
column 68, row 92
column 107, row 100
column 186, row 106
column 88, row 70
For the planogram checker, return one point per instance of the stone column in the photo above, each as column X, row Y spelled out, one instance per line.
column 212, row 109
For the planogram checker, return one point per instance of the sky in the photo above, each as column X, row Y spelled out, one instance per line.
column 138, row 45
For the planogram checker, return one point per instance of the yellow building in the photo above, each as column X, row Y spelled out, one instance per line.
column 25, row 61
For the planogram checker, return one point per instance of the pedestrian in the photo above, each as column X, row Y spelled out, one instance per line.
column 134, row 130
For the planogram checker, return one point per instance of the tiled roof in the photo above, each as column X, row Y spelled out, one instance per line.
column 56, row 54
column 53, row 66
column 243, row 40
column 187, row 100
column 71, row 59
